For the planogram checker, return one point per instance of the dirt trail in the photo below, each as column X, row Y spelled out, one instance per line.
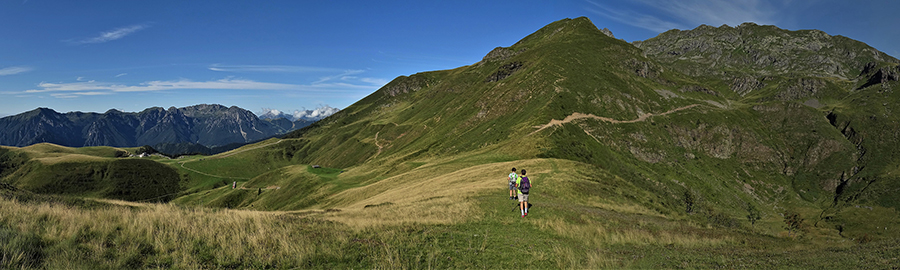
column 577, row 115
column 380, row 147
column 248, row 149
column 228, row 155
column 211, row 175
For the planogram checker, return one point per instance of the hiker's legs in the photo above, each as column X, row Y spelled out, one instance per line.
column 525, row 203
column 523, row 198
column 522, row 204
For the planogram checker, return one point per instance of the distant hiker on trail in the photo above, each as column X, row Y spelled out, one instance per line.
column 524, row 186
column 234, row 185
column 512, row 178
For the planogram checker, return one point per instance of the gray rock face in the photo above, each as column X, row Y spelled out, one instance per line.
column 498, row 54
column 760, row 51
column 607, row 32
column 504, row 71
column 745, row 85
column 879, row 75
column 404, row 84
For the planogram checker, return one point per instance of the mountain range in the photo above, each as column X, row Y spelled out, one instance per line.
column 193, row 129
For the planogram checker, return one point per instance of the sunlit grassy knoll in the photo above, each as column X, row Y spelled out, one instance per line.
column 248, row 147
column 237, row 163
column 69, row 158
column 48, row 150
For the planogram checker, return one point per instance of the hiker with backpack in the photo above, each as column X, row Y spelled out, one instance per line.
column 523, row 184
column 512, row 178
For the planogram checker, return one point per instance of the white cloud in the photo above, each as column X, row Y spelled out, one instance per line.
column 270, row 68
column 660, row 16
column 77, row 94
column 86, row 88
column 112, row 35
column 14, row 70
column 375, row 81
column 161, row 86
column 635, row 19
column 121, row 74
column 346, row 73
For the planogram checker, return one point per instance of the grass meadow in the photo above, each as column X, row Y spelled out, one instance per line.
column 443, row 214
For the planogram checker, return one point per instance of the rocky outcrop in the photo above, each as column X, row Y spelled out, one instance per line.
column 405, row 84
column 500, row 54
column 504, row 71
column 606, row 31
column 745, row 85
column 801, row 88
column 879, row 75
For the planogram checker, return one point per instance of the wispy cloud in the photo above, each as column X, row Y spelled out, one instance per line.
column 375, row 81
column 14, row 70
column 78, row 94
column 633, row 18
column 112, row 34
column 93, row 88
column 660, row 15
column 160, row 86
column 345, row 73
column 270, row 68
column 121, row 74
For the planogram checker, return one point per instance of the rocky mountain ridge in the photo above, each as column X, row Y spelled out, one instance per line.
column 761, row 50
column 207, row 125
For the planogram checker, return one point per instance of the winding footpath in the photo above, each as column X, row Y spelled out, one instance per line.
column 248, row 149
column 228, row 155
column 577, row 115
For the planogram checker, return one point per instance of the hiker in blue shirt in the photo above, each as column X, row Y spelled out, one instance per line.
column 512, row 178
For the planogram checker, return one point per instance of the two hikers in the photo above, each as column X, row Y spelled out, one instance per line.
column 512, row 183
column 523, row 186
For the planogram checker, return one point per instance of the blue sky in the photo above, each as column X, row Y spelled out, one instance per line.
column 93, row 56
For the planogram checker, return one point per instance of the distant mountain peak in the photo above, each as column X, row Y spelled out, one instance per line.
column 307, row 115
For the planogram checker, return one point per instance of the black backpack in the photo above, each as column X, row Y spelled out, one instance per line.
column 524, row 185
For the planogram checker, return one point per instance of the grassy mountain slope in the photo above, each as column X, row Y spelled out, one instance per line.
column 100, row 172
column 637, row 161
column 687, row 147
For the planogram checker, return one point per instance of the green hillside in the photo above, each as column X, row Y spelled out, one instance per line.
column 641, row 158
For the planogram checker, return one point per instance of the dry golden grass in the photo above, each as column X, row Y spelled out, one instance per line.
column 227, row 236
column 68, row 158
column 428, row 194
